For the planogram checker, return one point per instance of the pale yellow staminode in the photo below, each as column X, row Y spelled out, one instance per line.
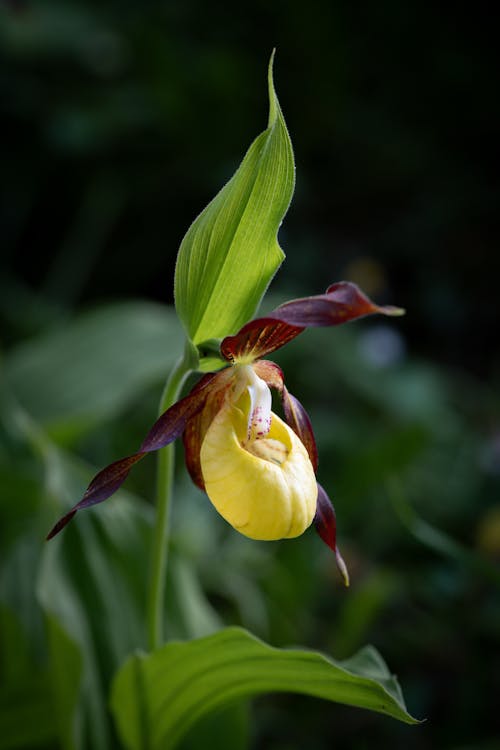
column 264, row 487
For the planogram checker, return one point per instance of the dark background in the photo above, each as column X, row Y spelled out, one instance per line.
column 120, row 122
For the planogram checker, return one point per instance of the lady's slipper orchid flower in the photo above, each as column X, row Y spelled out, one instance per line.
column 258, row 470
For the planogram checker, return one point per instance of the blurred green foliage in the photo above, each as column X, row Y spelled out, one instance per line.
column 121, row 121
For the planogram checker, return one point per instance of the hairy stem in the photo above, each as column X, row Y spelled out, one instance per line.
column 159, row 557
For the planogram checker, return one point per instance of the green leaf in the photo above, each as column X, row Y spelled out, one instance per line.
column 72, row 378
column 230, row 253
column 198, row 617
column 90, row 587
column 227, row 729
column 156, row 698
column 91, row 590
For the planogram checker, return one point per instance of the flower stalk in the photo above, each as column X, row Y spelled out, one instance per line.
column 161, row 531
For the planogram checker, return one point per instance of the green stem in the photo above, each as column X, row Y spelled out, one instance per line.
column 166, row 456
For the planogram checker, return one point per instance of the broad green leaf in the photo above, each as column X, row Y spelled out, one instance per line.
column 230, row 253
column 156, row 698
column 226, row 729
column 87, row 370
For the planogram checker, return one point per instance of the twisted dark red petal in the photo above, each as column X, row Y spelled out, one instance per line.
column 341, row 303
column 326, row 525
column 104, row 484
column 166, row 429
column 298, row 419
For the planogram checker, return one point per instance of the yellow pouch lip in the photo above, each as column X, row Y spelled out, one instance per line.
column 259, row 498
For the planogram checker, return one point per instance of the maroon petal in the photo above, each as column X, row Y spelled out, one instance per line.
column 192, row 439
column 326, row 526
column 341, row 303
column 104, row 484
column 171, row 424
column 298, row 419
column 166, row 429
column 258, row 338
column 197, row 425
